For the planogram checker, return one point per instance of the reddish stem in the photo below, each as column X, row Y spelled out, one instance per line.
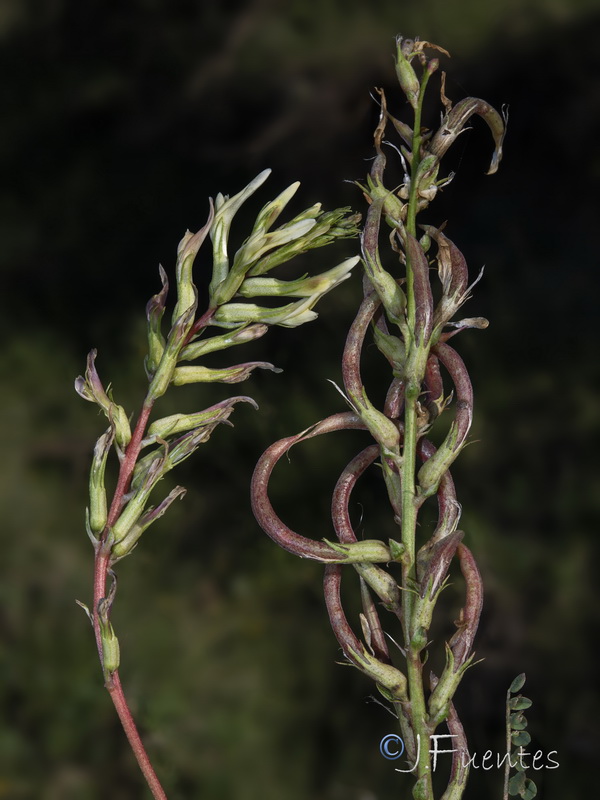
column 120, row 703
column 102, row 559
column 101, row 567
column 199, row 324
column 128, row 464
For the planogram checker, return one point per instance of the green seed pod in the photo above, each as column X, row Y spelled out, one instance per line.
column 179, row 423
column 431, row 472
column 109, row 641
column 252, row 250
column 383, row 430
column 391, row 347
column 111, row 655
column 135, row 507
column 385, row 675
column 290, row 315
column 175, row 342
column 225, row 210
column 302, row 287
column 236, row 374
column 381, row 582
column 409, row 83
column 272, row 210
column 130, row 540
column 98, row 509
column 445, row 690
column 426, row 177
column 186, row 253
column 367, row 550
column 246, row 333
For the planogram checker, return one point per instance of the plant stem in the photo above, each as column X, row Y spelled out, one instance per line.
column 128, row 463
column 409, row 521
column 199, row 325
column 409, row 507
column 411, row 225
column 102, row 558
column 102, row 562
column 120, row 703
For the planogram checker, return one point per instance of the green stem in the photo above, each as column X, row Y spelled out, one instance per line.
column 416, row 690
column 411, row 224
column 409, row 522
column 409, row 507
column 419, row 721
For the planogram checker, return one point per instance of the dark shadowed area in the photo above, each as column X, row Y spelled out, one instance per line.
column 118, row 124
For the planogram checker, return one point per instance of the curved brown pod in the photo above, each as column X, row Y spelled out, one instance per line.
column 394, row 399
column 460, row 748
column 384, row 674
column 372, row 625
column 454, row 123
column 380, row 581
column 382, row 429
column 350, row 644
column 343, row 490
column 464, row 390
column 434, row 387
column 261, row 505
column 462, row 641
column 354, row 342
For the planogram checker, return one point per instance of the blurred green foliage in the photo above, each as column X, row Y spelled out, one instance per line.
column 117, row 126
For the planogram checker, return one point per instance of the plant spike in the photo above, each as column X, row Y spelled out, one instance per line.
column 410, row 329
column 115, row 530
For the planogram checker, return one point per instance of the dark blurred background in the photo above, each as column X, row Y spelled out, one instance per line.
column 118, row 121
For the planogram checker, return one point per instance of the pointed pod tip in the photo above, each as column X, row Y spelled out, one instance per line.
column 244, row 398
